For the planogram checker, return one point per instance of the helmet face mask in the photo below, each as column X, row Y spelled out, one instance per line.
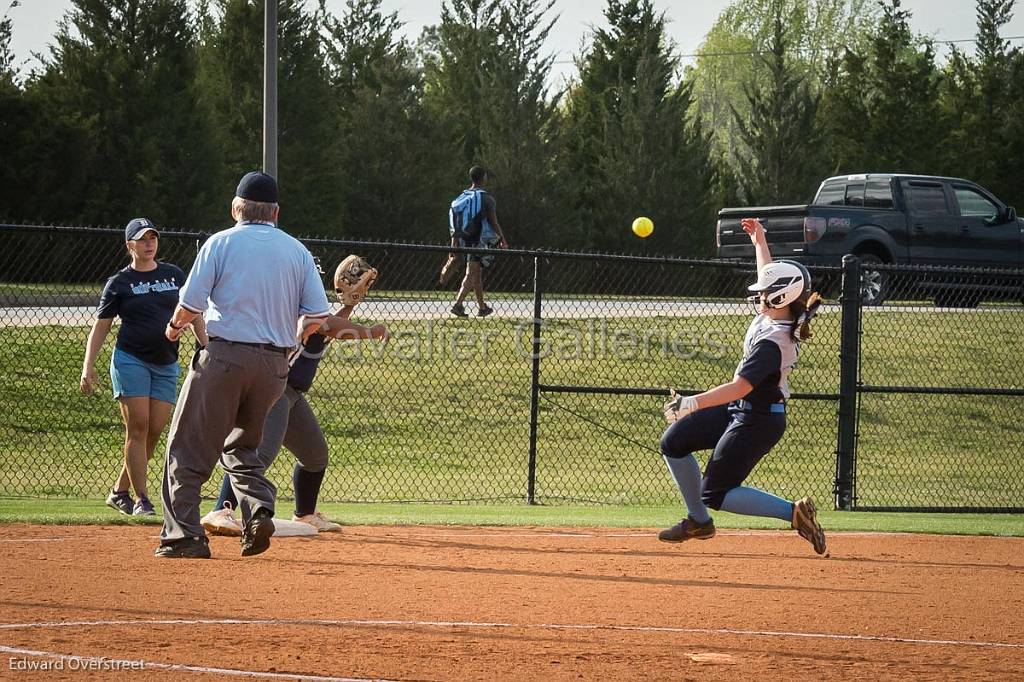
column 780, row 283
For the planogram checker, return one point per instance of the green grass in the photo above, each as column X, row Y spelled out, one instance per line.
column 85, row 512
column 415, row 421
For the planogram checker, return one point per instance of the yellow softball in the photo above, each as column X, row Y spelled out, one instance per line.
column 643, row 227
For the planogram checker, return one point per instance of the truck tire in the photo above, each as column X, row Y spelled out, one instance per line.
column 874, row 284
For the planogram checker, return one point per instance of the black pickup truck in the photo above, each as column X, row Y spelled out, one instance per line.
column 892, row 218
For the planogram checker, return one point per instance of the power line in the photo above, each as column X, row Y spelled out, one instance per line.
column 753, row 53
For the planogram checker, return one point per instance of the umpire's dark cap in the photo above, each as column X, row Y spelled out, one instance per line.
column 257, row 186
column 138, row 227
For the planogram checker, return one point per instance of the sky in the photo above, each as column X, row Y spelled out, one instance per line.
column 35, row 22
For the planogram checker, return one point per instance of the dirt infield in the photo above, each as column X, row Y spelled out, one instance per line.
column 461, row 603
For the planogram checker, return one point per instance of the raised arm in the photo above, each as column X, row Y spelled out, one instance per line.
column 754, row 228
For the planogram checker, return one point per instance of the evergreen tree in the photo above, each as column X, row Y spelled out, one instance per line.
column 980, row 104
column 17, row 119
column 519, row 130
column 8, row 72
column 231, row 82
column 903, row 97
column 883, row 114
column 118, row 95
column 486, row 88
column 779, row 159
column 843, row 116
column 458, row 55
column 631, row 148
column 389, row 184
column 1011, row 157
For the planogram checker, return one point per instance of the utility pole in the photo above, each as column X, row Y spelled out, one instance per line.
column 270, row 88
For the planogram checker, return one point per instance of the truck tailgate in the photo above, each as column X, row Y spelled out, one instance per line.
column 784, row 229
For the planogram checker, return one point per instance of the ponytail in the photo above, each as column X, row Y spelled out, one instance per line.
column 804, row 310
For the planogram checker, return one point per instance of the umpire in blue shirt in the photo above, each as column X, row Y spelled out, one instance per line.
column 260, row 293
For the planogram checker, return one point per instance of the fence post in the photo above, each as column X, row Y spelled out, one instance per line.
column 531, row 474
column 849, row 363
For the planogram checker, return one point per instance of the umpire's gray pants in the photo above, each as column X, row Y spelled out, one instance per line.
column 220, row 415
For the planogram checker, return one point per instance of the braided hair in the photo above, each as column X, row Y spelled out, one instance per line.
column 804, row 310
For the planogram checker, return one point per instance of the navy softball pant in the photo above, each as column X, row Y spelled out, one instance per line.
column 739, row 440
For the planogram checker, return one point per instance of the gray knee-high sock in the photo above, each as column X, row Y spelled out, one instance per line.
column 754, row 502
column 686, row 473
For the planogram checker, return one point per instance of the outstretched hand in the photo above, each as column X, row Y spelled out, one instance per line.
column 754, row 228
column 380, row 333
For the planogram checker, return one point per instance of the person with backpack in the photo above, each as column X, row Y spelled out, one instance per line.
column 473, row 222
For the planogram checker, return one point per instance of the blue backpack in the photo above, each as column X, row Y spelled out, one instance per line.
column 466, row 215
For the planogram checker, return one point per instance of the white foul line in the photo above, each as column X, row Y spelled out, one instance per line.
column 525, row 626
column 102, row 663
column 59, row 539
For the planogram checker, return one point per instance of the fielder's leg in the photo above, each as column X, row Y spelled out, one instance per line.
column 306, row 440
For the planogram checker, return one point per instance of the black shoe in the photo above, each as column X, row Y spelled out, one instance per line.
column 144, row 508
column 256, row 533
column 459, row 310
column 121, row 501
column 688, row 529
column 186, row 548
column 485, row 311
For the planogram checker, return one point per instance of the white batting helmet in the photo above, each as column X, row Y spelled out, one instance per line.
column 782, row 282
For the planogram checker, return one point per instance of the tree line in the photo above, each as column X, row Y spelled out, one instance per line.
column 154, row 108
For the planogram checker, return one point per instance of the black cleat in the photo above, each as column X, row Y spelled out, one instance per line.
column 485, row 311
column 459, row 310
column 688, row 529
column 186, row 548
column 256, row 533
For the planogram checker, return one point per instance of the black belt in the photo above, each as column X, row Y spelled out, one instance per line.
column 264, row 346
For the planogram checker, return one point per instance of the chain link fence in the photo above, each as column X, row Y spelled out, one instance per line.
column 556, row 397
column 940, row 391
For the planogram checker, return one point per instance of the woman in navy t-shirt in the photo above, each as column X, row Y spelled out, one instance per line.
column 144, row 366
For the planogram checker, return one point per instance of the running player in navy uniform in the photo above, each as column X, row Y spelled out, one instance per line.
column 741, row 421
column 291, row 423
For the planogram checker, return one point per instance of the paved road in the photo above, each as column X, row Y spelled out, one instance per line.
column 505, row 308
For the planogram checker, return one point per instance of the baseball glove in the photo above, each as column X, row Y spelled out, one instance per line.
column 352, row 279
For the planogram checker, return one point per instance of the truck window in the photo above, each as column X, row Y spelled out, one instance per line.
column 878, row 194
column 831, row 194
column 973, row 204
column 855, row 194
column 928, row 198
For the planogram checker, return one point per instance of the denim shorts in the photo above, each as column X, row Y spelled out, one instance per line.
column 134, row 378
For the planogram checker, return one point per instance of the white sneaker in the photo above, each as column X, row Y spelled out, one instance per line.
column 222, row 522
column 320, row 522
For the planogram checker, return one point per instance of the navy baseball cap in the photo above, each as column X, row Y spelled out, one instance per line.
column 138, row 227
column 257, row 186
